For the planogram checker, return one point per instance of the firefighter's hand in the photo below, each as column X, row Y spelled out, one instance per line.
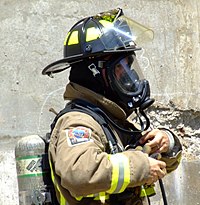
column 157, row 139
column 157, row 170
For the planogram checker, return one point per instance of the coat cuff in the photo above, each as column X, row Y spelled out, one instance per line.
column 171, row 140
column 139, row 167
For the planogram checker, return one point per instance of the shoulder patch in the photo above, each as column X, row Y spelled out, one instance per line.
column 78, row 135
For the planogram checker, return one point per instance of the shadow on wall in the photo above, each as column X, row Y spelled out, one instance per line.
column 181, row 186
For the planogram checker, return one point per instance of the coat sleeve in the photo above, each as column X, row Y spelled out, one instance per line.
column 173, row 157
column 84, row 167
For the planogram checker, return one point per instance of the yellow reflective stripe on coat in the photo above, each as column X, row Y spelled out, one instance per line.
column 147, row 190
column 62, row 198
column 120, row 173
column 102, row 196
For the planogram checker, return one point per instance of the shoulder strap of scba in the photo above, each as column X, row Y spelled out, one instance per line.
column 104, row 121
column 96, row 113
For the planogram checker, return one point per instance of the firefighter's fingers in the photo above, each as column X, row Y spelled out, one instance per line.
column 161, row 173
column 157, row 139
column 149, row 136
column 156, row 164
column 164, row 146
column 156, row 170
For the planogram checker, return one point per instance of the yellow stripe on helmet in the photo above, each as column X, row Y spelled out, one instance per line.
column 92, row 34
column 66, row 38
column 71, row 39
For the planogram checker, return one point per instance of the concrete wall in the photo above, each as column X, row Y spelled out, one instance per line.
column 32, row 35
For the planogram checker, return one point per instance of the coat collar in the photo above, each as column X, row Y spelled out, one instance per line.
column 74, row 91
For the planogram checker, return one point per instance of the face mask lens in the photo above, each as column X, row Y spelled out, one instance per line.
column 125, row 75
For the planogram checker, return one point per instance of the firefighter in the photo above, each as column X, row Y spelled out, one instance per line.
column 93, row 151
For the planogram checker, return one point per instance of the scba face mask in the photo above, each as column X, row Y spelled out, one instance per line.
column 126, row 80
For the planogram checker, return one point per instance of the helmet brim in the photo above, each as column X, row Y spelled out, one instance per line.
column 60, row 65
column 65, row 63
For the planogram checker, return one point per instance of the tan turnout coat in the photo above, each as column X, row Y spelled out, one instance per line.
column 83, row 169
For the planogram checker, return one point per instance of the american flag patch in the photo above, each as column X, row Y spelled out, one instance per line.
column 78, row 135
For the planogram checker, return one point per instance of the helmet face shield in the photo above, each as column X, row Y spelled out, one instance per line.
column 116, row 31
column 140, row 34
column 124, row 33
